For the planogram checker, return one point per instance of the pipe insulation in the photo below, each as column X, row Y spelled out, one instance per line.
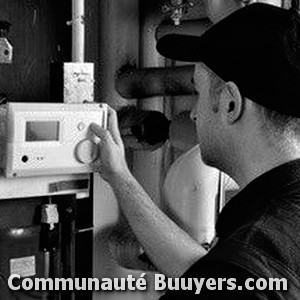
column 151, row 82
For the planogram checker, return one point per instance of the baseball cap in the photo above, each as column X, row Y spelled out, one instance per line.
column 257, row 47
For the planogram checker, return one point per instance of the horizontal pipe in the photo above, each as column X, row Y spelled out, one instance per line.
column 194, row 27
column 151, row 82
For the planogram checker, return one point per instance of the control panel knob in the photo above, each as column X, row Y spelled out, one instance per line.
column 86, row 151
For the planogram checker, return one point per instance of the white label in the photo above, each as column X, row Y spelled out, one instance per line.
column 23, row 266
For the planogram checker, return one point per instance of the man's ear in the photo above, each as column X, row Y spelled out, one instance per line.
column 233, row 102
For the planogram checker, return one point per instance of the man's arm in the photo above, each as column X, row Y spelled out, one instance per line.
column 170, row 248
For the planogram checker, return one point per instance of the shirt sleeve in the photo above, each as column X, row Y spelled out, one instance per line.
column 220, row 281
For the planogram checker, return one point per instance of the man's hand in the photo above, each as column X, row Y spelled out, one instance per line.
column 111, row 161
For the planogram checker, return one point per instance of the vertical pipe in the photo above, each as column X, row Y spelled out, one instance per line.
column 77, row 30
column 118, row 46
column 151, row 161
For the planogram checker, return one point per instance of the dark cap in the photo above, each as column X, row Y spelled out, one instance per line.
column 257, row 47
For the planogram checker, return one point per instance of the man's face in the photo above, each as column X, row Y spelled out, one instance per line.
column 206, row 116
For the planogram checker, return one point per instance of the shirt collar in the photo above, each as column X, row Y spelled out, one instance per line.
column 256, row 195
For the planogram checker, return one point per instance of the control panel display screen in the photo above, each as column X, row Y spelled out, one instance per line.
column 40, row 131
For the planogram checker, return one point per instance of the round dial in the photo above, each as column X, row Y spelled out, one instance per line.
column 86, row 151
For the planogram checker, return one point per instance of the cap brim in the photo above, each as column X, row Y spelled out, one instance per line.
column 179, row 47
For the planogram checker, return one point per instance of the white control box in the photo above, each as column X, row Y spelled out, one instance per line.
column 49, row 138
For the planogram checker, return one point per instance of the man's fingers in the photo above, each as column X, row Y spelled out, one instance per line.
column 113, row 126
column 100, row 132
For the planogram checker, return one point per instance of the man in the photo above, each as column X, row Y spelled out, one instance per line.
column 247, row 79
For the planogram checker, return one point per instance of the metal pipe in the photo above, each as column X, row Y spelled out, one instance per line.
column 152, row 161
column 151, row 82
column 78, row 30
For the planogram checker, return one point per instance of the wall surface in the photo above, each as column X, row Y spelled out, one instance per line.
column 38, row 35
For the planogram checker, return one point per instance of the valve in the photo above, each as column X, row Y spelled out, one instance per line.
column 177, row 8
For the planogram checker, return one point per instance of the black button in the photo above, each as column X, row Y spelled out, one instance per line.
column 25, row 158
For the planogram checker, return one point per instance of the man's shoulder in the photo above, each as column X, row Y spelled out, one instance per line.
column 257, row 252
column 269, row 238
column 261, row 250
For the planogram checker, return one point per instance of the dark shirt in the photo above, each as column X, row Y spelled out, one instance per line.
column 259, row 237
